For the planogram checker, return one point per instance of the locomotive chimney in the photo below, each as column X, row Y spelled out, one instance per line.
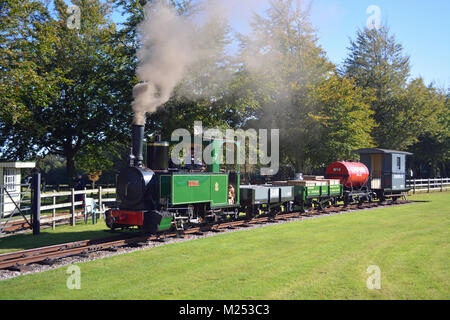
column 137, row 135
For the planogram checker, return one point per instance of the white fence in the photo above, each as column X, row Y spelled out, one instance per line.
column 52, row 205
column 100, row 195
column 428, row 185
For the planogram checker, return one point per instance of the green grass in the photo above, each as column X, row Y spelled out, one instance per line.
column 61, row 234
column 325, row 258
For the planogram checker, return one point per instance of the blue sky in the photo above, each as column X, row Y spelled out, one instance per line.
column 422, row 27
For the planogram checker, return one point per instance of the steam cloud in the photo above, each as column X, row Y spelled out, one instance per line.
column 175, row 47
column 167, row 50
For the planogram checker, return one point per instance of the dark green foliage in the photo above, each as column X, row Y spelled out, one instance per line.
column 408, row 114
column 68, row 92
column 65, row 86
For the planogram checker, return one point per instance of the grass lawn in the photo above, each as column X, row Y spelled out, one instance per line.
column 61, row 234
column 325, row 258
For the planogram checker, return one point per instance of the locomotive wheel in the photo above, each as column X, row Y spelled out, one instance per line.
column 148, row 227
column 151, row 222
column 110, row 222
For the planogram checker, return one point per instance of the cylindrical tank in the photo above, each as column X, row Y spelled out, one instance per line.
column 351, row 174
column 158, row 155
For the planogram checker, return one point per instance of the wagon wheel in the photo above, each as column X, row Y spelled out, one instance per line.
column 303, row 209
column 335, row 202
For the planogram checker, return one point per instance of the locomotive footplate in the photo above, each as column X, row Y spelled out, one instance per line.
column 150, row 221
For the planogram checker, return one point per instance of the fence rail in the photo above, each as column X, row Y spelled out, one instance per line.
column 66, row 187
column 428, row 185
column 101, row 198
column 53, row 202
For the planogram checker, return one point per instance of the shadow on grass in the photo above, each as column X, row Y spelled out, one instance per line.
column 48, row 238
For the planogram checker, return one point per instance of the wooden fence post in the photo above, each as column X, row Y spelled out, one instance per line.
column 72, row 210
column 36, row 203
column 100, row 200
column 414, row 186
column 429, row 185
column 442, row 184
column 85, row 208
column 54, row 211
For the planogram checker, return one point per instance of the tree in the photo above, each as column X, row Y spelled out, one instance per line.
column 283, row 60
column 376, row 61
column 67, row 83
column 345, row 120
column 432, row 150
column 408, row 114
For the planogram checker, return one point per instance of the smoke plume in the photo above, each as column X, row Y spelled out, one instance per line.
column 186, row 52
column 168, row 48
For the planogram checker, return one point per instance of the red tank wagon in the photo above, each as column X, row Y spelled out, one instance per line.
column 351, row 174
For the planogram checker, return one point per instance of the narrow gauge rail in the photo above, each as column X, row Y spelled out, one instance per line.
column 17, row 261
column 23, row 225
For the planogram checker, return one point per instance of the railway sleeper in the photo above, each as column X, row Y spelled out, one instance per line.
column 112, row 249
column 260, row 222
column 138, row 244
column 48, row 261
column 20, row 268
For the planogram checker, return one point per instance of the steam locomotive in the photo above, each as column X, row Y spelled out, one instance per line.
column 154, row 197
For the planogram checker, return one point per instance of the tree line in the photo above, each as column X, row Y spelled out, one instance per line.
column 67, row 92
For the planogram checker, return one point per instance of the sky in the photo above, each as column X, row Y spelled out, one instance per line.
column 422, row 27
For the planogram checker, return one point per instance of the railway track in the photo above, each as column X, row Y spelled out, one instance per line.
column 18, row 261
column 20, row 225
